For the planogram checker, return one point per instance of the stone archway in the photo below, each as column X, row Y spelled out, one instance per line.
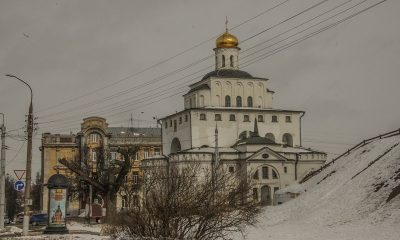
column 265, row 195
column 175, row 145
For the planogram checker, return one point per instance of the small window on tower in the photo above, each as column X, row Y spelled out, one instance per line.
column 231, row 169
column 249, row 102
column 274, row 174
column 166, row 125
column 202, row 116
column 223, row 61
column 238, row 101
column 246, row 118
column 285, row 169
column 175, row 126
column 227, row 101
column 232, row 117
column 218, row 117
column 255, row 175
column 288, row 119
column 265, row 173
column 231, row 58
column 274, row 118
column 170, row 123
column 260, row 118
column 180, row 120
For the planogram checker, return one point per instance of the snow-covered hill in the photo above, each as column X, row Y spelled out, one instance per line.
column 357, row 197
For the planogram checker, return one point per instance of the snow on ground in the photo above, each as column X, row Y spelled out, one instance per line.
column 75, row 226
column 347, row 200
column 77, row 231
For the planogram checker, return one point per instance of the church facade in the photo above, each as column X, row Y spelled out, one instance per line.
column 229, row 111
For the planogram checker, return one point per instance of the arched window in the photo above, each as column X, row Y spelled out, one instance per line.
column 238, row 101
column 175, row 145
column 250, row 102
column 223, row 60
column 231, row 58
column 287, row 139
column 201, row 98
column 270, row 136
column 227, row 101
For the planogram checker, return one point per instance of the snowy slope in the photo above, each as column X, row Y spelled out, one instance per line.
column 347, row 200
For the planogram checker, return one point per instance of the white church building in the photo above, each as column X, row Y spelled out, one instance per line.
column 251, row 133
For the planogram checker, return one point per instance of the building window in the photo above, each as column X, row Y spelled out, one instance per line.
column 274, row 118
column 231, row 58
column 287, row 139
column 146, row 153
column 232, row 117
column 218, row 117
column 274, row 174
column 202, row 116
column 180, row 120
column 265, row 155
column 94, row 137
column 135, row 178
column 250, row 102
column 94, row 156
column 255, row 194
column 157, row 151
column 238, row 101
column 227, row 101
column 231, row 169
column 124, row 202
column 285, row 169
column 137, row 156
column 260, row 118
column 288, row 119
column 170, row 123
column 270, row 136
column 186, row 118
column 246, row 118
column 223, row 60
column 175, row 126
column 265, row 173
column 166, row 125
column 255, row 175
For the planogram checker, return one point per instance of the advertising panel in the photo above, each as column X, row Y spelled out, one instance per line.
column 58, row 197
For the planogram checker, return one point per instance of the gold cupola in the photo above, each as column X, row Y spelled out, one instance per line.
column 227, row 40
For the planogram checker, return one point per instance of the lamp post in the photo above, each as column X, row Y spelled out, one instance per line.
column 2, row 172
column 28, row 200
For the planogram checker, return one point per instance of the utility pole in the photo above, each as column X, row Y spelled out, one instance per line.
column 27, row 194
column 2, row 173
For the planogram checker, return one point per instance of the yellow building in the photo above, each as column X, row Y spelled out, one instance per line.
column 82, row 148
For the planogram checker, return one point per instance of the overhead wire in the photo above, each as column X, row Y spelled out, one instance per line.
column 316, row 32
column 161, row 62
column 166, row 84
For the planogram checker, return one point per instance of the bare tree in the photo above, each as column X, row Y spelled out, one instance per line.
column 189, row 202
column 107, row 178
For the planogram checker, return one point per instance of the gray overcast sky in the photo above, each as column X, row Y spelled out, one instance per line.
column 346, row 78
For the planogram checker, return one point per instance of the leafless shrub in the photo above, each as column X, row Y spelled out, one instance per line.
column 189, row 203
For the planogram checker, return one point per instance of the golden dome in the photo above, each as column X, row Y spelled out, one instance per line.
column 227, row 40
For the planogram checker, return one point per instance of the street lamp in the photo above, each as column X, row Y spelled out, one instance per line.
column 28, row 200
column 2, row 172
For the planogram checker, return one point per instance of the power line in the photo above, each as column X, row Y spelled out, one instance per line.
column 312, row 34
column 161, row 62
column 16, row 155
column 135, row 88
